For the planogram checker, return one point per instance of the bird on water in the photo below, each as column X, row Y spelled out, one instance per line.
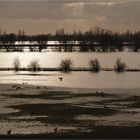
column 9, row 132
column 60, row 78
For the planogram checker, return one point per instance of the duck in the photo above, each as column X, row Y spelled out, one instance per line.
column 60, row 78
column 9, row 132
column 55, row 130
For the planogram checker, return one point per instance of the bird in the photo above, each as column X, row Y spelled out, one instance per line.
column 135, row 96
column 60, row 78
column 14, row 86
column 9, row 132
column 102, row 94
column 55, row 130
column 97, row 92
column 105, row 107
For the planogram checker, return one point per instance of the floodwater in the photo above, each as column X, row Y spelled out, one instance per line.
column 80, row 59
column 123, row 108
column 102, row 80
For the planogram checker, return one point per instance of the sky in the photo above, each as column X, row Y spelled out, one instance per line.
column 46, row 16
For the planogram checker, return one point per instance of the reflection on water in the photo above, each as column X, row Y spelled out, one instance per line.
column 102, row 80
column 34, row 122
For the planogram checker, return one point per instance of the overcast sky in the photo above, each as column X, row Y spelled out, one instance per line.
column 43, row 16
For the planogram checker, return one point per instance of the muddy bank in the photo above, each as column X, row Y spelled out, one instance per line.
column 51, row 112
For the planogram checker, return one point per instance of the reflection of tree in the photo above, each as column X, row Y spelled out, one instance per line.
column 120, row 66
column 94, row 65
column 66, row 65
column 34, row 65
column 16, row 64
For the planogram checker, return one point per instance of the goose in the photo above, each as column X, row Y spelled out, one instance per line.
column 55, row 130
column 9, row 132
column 105, row 107
column 102, row 94
column 60, row 78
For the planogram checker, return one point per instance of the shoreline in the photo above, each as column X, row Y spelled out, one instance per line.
column 59, row 69
column 35, row 111
column 127, row 91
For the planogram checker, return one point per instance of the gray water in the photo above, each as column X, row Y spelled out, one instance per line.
column 106, row 80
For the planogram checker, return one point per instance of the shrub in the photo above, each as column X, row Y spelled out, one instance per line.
column 66, row 65
column 34, row 65
column 120, row 66
column 94, row 65
column 16, row 64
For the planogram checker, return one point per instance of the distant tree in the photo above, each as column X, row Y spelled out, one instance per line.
column 42, row 41
column 62, row 38
column 120, row 66
column 66, row 65
column 16, row 64
column 34, row 65
column 11, row 41
column 83, row 42
column 94, row 65
column 136, row 40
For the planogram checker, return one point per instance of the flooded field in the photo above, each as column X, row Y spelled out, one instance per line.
column 82, row 105
column 40, row 110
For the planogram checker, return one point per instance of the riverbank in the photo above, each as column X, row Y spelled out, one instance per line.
column 53, row 112
column 59, row 69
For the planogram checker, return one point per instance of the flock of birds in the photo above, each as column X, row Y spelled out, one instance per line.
column 17, row 88
column 61, row 79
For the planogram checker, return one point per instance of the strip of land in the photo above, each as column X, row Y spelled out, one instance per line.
column 60, row 69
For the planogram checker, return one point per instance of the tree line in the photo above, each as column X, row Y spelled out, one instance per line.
column 95, row 39
column 66, row 65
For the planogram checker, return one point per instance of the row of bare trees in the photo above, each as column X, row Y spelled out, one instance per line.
column 96, row 39
column 67, row 64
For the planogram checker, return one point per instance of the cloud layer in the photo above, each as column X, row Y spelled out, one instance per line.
column 35, row 16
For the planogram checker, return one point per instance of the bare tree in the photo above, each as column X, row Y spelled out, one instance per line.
column 94, row 65
column 16, row 64
column 66, row 65
column 34, row 65
column 120, row 66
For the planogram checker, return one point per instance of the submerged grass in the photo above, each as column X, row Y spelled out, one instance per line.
column 132, row 101
column 65, row 114
column 59, row 95
column 61, row 110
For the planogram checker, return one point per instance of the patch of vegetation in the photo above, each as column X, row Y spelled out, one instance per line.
column 66, row 65
column 135, row 104
column 34, row 65
column 60, row 113
column 130, row 101
column 16, row 64
column 120, row 66
column 94, row 65
column 59, row 95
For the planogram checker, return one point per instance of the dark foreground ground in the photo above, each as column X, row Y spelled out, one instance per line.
column 44, row 112
column 102, row 132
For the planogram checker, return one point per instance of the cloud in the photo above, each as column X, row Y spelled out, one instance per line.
column 71, row 14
